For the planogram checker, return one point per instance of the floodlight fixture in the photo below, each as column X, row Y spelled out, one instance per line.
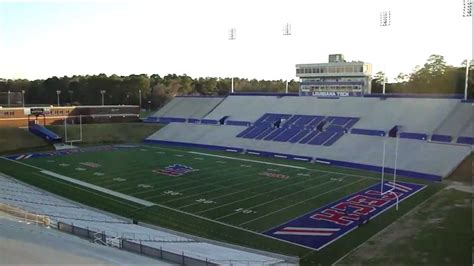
column 287, row 29
column 232, row 34
column 467, row 8
column 385, row 18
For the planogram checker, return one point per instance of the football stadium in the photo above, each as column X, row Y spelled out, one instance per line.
column 335, row 168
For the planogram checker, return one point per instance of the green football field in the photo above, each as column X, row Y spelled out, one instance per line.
column 224, row 196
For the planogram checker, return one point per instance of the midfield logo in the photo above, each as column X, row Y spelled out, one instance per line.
column 175, row 170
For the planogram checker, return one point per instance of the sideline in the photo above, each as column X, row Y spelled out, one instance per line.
column 100, row 189
column 248, row 160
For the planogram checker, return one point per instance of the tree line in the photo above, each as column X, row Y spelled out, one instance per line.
column 154, row 90
column 435, row 76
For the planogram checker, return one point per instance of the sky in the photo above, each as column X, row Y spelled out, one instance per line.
column 43, row 39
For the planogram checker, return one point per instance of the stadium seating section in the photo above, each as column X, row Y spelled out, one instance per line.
column 435, row 134
column 310, row 129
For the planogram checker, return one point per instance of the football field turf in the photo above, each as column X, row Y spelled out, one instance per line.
column 232, row 190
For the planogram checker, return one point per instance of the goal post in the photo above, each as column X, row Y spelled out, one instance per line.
column 394, row 171
column 71, row 141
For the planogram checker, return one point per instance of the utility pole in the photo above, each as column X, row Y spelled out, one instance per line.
column 467, row 12
column 23, row 97
column 232, row 37
column 102, row 92
column 140, row 99
column 57, row 94
column 385, row 21
column 287, row 32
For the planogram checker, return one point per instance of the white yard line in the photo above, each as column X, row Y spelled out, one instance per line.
column 216, row 183
column 268, row 163
column 236, row 192
column 258, row 218
column 247, row 160
column 209, row 173
column 256, row 195
column 279, row 164
column 213, row 190
column 287, row 195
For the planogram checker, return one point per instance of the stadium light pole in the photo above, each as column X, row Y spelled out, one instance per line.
column 467, row 79
column 102, row 92
column 232, row 37
column 383, row 165
column 23, row 97
column 57, row 95
column 385, row 21
column 8, row 96
column 467, row 12
column 140, row 98
column 287, row 32
column 70, row 95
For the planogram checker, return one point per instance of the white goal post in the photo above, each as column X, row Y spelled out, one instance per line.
column 394, row 171
column 71, row 141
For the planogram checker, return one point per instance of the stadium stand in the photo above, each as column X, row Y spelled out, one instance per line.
column 188, row 107
column 374, row 113
column 452, row 124
column 347, row 131
column 60, row 210
column 423, row 159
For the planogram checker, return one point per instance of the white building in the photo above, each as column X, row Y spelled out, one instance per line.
column 335, row 78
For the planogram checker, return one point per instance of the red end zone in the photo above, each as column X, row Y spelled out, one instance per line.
column 325, row 225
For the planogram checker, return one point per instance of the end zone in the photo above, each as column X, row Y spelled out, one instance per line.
column 321, row 227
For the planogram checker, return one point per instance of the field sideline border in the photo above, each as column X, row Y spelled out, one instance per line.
column 261, row 162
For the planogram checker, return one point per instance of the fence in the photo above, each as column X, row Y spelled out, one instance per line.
column 102, row 238
column 162, row 254
column 94, row 236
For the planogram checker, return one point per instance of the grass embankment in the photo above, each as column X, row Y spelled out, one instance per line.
column 108, row 133
column 463, row 172
column 438, row 232
column 17, row 140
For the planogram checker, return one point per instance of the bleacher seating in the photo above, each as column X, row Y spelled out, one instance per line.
column 296, row 125
column 293, row 128
column 59, row 210
column 369, row 132
column 441, row 138
column 465, row 140
column 410, row 135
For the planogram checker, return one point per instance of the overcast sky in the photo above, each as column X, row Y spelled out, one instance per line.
column 39, row 40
